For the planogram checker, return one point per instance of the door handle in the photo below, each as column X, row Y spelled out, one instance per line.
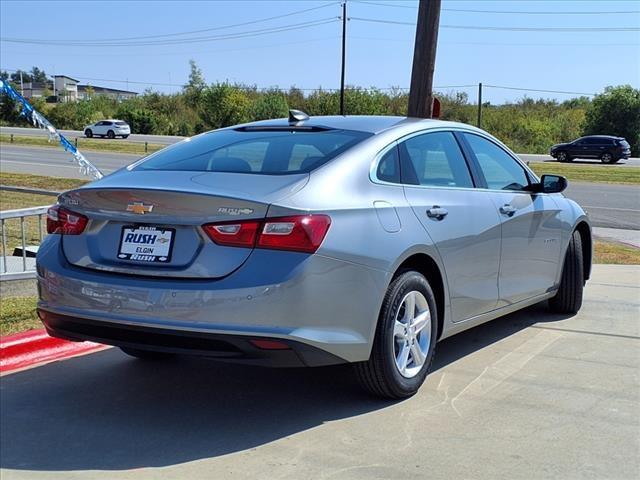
column 507, row 210
column 437, row 212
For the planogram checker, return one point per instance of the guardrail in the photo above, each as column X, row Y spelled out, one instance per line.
column 24, row 266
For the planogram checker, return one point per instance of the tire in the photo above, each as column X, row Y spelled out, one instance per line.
column 125, row 136
column 568, row 299
column 563, row 157
column 607, row 157
column 146, row 354
column 382, row 375
column 111, row 135
column 88, row 133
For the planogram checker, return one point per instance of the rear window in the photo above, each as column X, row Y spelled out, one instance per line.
column 121, row 124
column 273, row 152
column 623, row 143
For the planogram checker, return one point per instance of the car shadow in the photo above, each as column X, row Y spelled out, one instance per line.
column 107, row 411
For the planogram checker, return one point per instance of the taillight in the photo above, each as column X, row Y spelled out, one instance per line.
column 299, row 233
column 66, row 222
column 238, row 234
column 302, row 233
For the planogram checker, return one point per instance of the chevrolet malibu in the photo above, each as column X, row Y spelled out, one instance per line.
column 312, row 241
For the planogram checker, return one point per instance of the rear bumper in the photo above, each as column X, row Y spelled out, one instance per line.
column 321, row 302
column 231, row 348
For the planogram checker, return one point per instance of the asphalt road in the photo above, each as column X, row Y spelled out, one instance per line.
column 71, row 134
column 168, row 140
column 613, row 206
column 55, row 162
column 535, row 158
column 531, row 395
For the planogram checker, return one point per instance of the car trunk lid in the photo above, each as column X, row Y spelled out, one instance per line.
column 149, row 222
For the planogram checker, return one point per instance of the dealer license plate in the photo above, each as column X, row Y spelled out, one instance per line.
column 146, row 244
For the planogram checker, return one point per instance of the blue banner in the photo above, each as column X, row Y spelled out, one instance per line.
column 38, row 120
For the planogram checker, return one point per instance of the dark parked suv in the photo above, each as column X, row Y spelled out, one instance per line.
column 608, row 149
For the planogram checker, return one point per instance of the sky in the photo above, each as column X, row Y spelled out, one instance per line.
column 307, row 55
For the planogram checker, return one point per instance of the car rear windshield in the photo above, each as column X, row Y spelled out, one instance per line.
column 269, row 152
column 623, row 143
column 121, row 124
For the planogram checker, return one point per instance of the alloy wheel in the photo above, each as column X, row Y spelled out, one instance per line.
column 412, row 334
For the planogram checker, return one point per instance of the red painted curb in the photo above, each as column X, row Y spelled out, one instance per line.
column 34, row 347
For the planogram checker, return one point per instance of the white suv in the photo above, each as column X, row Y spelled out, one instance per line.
column 107, row 128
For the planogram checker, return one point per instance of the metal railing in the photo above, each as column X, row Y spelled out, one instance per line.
column 19, row 267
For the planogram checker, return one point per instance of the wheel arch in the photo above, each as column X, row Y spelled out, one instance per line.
column 587, row 246
column 427, row 266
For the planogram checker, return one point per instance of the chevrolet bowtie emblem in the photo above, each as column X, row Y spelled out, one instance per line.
column 139, row 208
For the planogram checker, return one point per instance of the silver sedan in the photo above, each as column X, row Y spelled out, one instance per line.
column 312, row 241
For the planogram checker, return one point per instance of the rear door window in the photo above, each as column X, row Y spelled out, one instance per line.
column 435, row 160
column 270, row 152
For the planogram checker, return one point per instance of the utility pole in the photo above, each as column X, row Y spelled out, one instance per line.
column 21, row 85
column 480, row 105
column 424, row 59
column 344, row 46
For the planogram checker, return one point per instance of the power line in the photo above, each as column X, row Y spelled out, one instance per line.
column 510, row 12
column 509, row 44
column 441, row 87
column 509, row 29
column 538, row 90
column 184, row 53
column 246, row 34
column 191, row 32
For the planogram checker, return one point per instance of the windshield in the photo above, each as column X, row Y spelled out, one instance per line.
column 254, row 151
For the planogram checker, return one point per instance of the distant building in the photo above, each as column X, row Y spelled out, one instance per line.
column 67, row 89
column 114, row 93
column 37, row 89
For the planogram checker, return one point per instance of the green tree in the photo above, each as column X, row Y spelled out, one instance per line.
column 271, row 104
column 224, row 105
column 616, row 112
column 15, row 76
column 38, row 75
column 196, row 84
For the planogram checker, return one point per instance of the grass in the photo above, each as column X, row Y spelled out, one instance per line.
column 590, row 173
column 40, row 181
column 13, row 200
column 615, row 253
column 88, row 144
column 18, row 314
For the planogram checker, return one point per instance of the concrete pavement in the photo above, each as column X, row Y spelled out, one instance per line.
column 528, row 396
column 629, row 237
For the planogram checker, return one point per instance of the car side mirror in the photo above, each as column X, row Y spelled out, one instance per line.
column 552, row 184
column 549, row 184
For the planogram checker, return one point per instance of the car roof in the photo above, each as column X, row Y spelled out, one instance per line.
column 601, row 136
column 363, row 123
